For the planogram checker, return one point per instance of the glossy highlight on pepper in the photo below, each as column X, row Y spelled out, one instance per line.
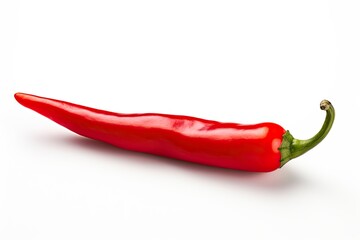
column 261, row 147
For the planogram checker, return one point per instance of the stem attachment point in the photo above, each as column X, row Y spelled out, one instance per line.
column 291, row 148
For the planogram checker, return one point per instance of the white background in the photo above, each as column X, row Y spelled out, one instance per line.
column 233, row 61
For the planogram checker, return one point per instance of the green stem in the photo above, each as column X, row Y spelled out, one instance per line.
column 291, row 148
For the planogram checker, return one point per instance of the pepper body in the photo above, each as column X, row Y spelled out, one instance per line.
column 229, row 145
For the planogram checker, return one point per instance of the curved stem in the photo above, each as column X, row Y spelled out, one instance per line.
column 291, row 148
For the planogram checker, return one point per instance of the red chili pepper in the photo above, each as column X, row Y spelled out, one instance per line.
column 259, row 147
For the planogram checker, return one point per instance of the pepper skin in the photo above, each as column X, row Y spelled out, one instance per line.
column 256, row 147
